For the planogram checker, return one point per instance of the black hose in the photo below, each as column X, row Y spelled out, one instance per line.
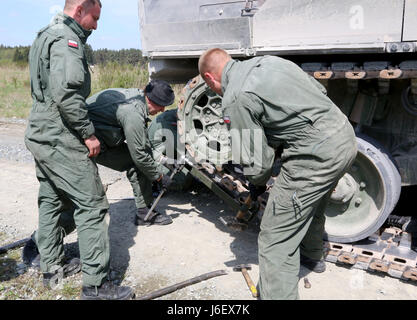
column 175, row 287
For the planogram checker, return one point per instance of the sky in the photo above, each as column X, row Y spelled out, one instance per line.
column 118, row 26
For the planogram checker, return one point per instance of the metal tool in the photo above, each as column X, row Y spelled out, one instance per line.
column 17, row 244
column 240, row 221
column 150, row 213
column 307, row 283
column 244, row 269
column 175, row 287
column 233, row 223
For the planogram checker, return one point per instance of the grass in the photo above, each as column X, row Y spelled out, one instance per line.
column 15, row 99
column 17, row 282
column 114, row 75
column 29, row 286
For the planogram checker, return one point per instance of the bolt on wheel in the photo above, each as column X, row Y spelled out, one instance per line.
column 365, row 196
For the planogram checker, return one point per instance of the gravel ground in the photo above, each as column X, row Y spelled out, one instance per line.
column 149, row 258
column 13, row 148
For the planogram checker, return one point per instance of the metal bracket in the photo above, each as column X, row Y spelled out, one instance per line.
column 250, row 52
column 249, row 8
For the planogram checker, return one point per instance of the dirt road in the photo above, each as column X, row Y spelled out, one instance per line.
column 150, row 258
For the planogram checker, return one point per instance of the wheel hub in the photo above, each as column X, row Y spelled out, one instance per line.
column 344, row 191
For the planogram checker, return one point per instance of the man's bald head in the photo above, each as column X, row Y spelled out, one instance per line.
column 87, row 4
column 211, row 65
column 213, row 61
column 85, row 12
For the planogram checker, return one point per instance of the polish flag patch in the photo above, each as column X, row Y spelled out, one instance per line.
column 226, row 120
column 73, row 44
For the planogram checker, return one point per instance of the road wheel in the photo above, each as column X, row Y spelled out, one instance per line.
column 365, row 196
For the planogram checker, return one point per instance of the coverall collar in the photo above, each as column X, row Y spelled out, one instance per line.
column 82, row 33
column 226, row 74
column 143, row 98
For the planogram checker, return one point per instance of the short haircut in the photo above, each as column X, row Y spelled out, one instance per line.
column 91, row 3
column 87, row 4
column 212, row 60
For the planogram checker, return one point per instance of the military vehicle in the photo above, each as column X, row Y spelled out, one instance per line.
column 362, row 51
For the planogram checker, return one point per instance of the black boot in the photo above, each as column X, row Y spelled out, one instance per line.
column 158, row 218
column 317, row 266
column 30, row 255
column 52, row 279
column 107, row 291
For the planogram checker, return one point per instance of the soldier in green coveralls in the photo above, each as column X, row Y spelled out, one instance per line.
column 120, row 118
column 162, row 134
column 62, row 139
column 121, row 115
column 283, row 106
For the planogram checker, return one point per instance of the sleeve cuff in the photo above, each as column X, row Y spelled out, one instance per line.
column 88, row 131
column 156, row 177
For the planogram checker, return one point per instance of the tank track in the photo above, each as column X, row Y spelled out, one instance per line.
column 388, row 251
column 384, row 70
column 381, row 71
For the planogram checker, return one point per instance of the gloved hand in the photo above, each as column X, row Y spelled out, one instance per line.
column 165, row 181
column 256, row 191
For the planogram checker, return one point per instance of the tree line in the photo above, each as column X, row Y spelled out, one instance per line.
column 123, row 56
column 16, row 54
column 20, row 54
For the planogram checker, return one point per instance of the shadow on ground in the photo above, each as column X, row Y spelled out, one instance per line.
column 122, row 214
column 210, row 207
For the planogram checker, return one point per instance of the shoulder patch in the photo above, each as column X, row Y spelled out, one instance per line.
column 226, row 119
column 73, row 44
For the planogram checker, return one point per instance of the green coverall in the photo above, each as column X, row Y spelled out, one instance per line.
column 282, row 105
column 162, row 134
column 121, row 115
column 57, row 127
